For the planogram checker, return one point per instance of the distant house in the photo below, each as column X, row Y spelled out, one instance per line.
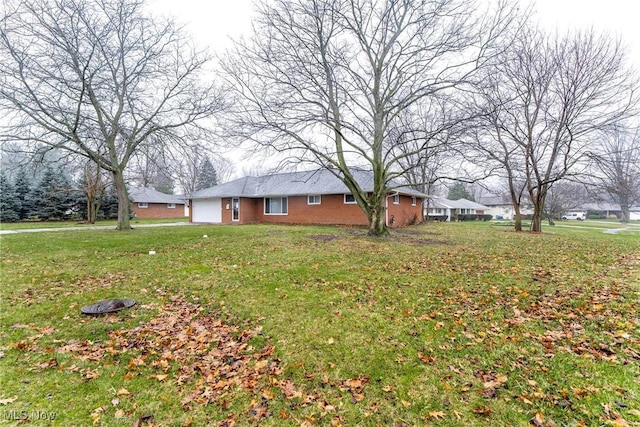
column 439, row 208
column 149, row 203
column 312, row 197
column 500, row 207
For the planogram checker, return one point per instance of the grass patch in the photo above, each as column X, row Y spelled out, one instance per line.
column 445, row 324
column 29, row 225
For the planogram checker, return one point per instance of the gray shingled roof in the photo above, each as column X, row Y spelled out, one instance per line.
column 149, row 195
column 441, row 202
column 320, row 181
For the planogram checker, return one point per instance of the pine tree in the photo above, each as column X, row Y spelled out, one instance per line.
column 459, row 191
column 9, row 204
column 164, row 184
column 207, row 175
column 109, row 206
column 23, row 188
column 53, row 197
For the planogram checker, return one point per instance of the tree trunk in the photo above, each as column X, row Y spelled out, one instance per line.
column 124, row 222
column 91, row 212
column 626, row 212
column 377, row 222
column 517, row 218
column 536, row 219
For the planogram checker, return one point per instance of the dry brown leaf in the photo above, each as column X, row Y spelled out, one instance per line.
column 6, row 401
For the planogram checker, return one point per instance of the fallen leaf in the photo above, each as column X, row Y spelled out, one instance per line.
column 119, row 414
column 482, row 410
column 537, row 421
column 123, row 392
column 143, row 420
column 8, row 400
column 436, row 414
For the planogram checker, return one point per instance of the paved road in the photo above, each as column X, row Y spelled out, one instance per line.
column 91, row 227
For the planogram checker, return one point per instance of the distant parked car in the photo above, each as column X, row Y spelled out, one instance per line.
column 580, row 216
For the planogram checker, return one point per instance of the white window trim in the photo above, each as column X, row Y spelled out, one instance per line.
column 414, row 201
column 171, row 205
column 396, row 199
column 349, row 203
column 272, row 213
column 143, row 205
column 314, row 196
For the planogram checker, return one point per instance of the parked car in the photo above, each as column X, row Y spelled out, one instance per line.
column 580, row 216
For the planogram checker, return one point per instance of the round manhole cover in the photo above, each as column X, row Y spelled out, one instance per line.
column 108, row 306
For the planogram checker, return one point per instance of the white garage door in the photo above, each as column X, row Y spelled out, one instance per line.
column 207, row 210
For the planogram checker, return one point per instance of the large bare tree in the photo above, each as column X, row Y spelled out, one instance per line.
column 101, row 79
column 324, row 80
column 616, row 167
column 545, row 99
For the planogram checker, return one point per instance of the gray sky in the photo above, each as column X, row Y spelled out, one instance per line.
column 213, row 22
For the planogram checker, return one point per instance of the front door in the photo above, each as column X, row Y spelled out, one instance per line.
column 235, row 209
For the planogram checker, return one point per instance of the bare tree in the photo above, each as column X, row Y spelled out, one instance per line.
column 100, row 79
column 563, row 197
column 546, row 98
column 424, row 139
column 191, row 167
column 94, row 185
column 616, row 167
column 324, row 80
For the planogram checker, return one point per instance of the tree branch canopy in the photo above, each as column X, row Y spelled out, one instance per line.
column 545, row 100
column 100, row 79
column 325, row 80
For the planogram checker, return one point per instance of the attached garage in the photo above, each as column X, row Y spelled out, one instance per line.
column 207, row 210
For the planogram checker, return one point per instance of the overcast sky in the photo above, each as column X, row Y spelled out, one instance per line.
column 213, row 22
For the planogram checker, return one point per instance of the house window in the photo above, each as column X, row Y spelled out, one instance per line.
column 275, row 205
column 396, row 199
column 171, row 205
column 143, row 205
column 313, row 200
column 414, row 201
column 349, row 199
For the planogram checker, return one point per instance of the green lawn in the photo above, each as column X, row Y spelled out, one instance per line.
column 25, row 225
column 451, row 324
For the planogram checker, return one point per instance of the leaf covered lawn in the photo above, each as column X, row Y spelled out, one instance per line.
column 445, row 324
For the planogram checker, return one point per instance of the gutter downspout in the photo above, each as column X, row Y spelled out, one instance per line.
column 386, row 206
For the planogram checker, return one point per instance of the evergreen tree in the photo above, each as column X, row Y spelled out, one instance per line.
column 53, row 197
column 109, row 206
column 459, row 191
column 207, row 175
column 163, row 183
column 9, row 204
column 23, row 188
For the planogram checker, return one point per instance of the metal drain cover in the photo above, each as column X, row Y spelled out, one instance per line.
column 108, row 306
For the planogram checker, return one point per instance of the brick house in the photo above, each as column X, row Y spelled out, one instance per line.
column 149, row 203
column 312, row 197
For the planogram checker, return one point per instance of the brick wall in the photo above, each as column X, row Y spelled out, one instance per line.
column 331, row 210
column 158, row 210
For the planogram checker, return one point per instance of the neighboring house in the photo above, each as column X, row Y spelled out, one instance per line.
column 149, row 203
column 439, row 208
column 312, row 197
column 610, row 210
column 500, row 207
